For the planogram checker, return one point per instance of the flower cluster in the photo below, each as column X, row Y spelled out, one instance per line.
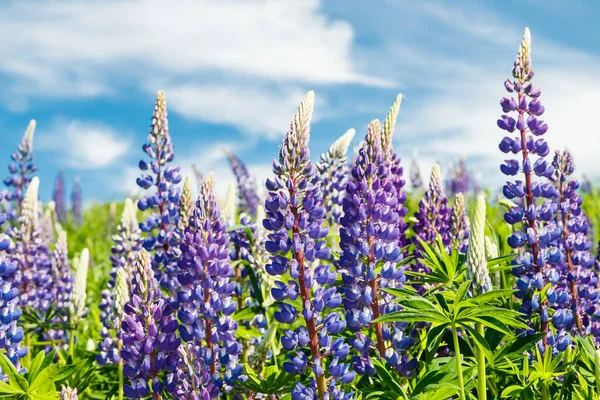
column 21, row 168
column 295, row 217
column 433, row 217
column 58, row 196
column 415, row 174
column 127, row 243
column 248, row 199
column 205, row 298
column 535, row 266
column 578, row 281
column 76, row 203
column 333, row 176
column 477, row 270
column 149, row 335
column 461, row 180
column 459, row 224
column 161, row 226
column 370, row 254
column 77, row 307
column 33, row 277
column 11, row 335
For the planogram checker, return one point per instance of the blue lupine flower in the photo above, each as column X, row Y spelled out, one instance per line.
column 295, row 216
column 161, row 226
column 77, row 203
column 536, row 266
column 58, row 196
column 461, row 180
column 149, row 334
column 248, row 199
column 459, row 224
column 21, row 168
column 205, row 296
column 369, row 239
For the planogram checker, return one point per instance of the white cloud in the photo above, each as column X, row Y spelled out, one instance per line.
column 223, row 60
column 84, row 145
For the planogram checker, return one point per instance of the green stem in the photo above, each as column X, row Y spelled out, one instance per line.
column 481, row 378
column 545, row 394
column 121, row 377
column 72, row 344
column 28, row 346
column 461, row 381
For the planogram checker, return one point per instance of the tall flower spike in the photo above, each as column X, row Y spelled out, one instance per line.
column 390, row 124
column 63, row 285
column 578, row 314
column 295, row 218
column 433, row 216
column 205, row 298
column 162, row 237
column 79, row 295
column 47, row 223
column 76, row 203
column 248, row 199
column 533, row 267
column 149, row 334
column 127, row 243
column 333, row 176
column 459, row 224
column 461, row 180
column 370, row 255
column 11, row 335
column 21, row 168
column 31, row 255
column 186, row 205
column 476, row 256
column 58, row 196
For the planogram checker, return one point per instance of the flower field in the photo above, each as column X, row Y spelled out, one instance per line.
column 334, row 279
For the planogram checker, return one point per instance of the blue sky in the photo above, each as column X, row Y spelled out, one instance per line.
column 234, row 73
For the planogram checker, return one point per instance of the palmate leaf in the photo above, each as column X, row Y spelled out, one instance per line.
column 482, row 344
column 16, row 381
column 413, row 317
column 388, row 379
column 274, row 383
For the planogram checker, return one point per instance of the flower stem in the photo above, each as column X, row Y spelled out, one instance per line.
column 461, row 381
column 121, row 377
column 481, row 382
column 72, row 343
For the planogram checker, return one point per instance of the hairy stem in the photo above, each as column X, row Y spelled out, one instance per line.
column 481, row 378
column 461, row 381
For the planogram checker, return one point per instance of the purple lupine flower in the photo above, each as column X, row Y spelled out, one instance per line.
column 370, row 255
column 535, row 266
column 205, row 297
column 459, row 224
column 186, row 205
column 415, row 174
column 578, row 280
column 68, row 394
column 333, row 175
column 433, row 216
column 11, row 335
column 21, row 168
column 161, row 226
column 460, row 180
column 58, row 196
column 295, row 217
column 248, row 199
column 31, row 255
column 62, row 286
column 149, row 335
column 126, row 244
column 76, row 203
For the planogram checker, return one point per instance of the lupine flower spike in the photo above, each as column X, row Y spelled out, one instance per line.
column 539, row 232
column 415, row 174
column 77, row 306
column 206, row 301
column 246, row 187
column 370, row 254
column 333, row 175
column 477, row 270
column 58, row 196
column 149, row 334
column 21, row 168
column 186, row 205
column 461, row 180
column 11, row 335
column 33, row 277
column 76, row 203
column 295, row 217
column 459, row 224
column 161, row 226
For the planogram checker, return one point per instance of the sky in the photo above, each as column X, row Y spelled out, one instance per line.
column 234, row 73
